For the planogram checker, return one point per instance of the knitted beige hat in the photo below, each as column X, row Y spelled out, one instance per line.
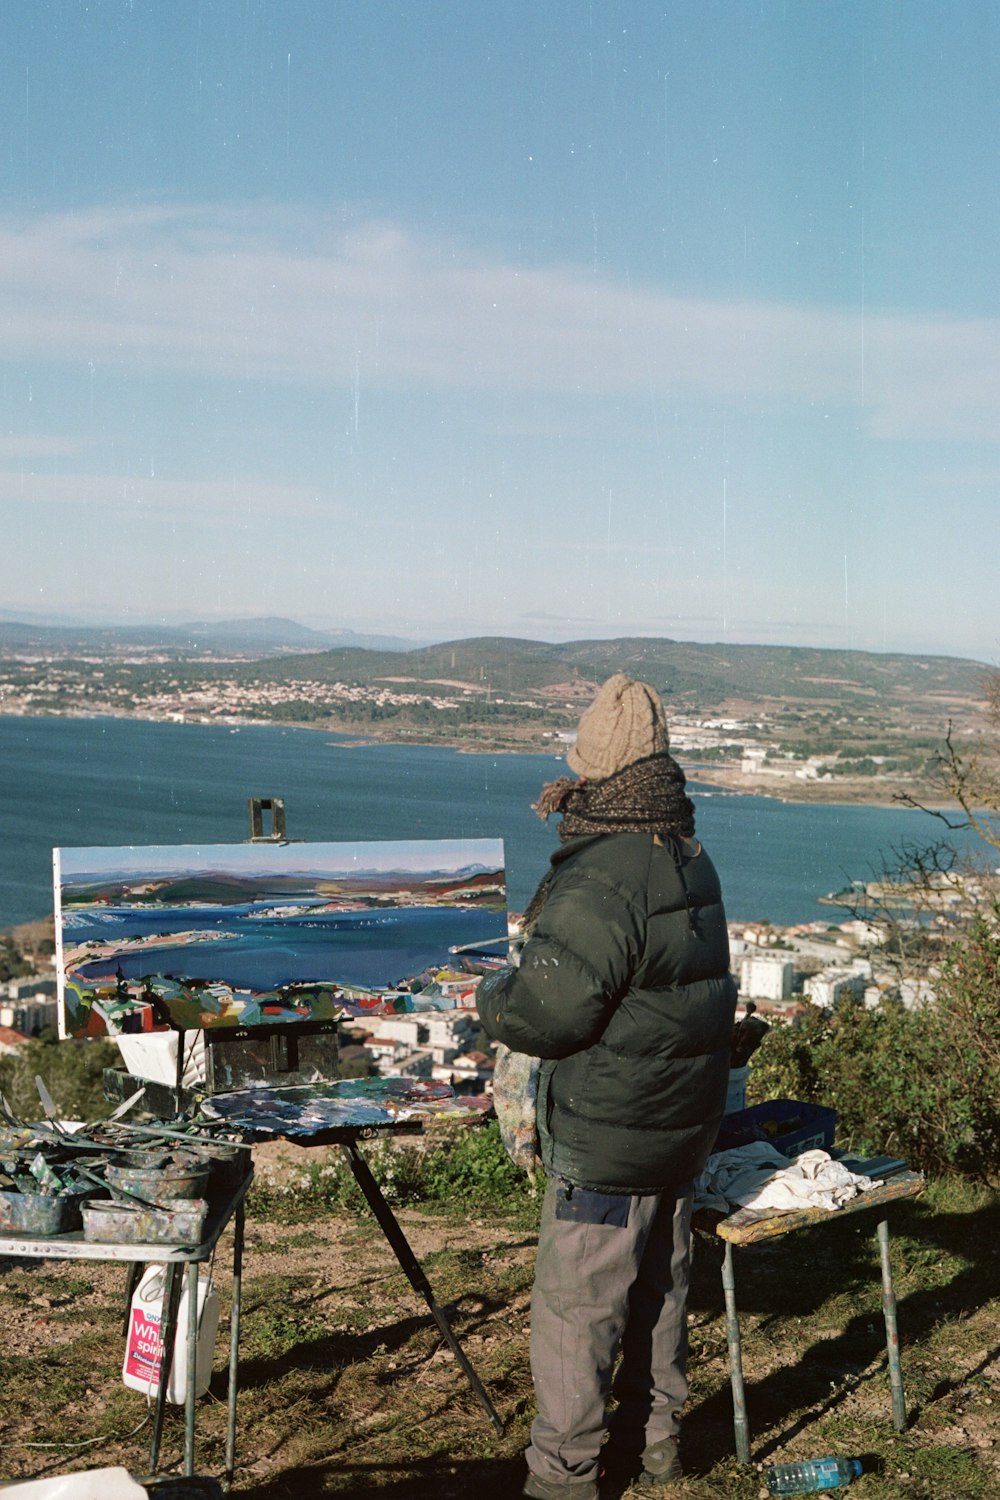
column 625, row 722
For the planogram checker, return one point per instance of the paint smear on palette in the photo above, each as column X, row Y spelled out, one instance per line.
column 302, row 1110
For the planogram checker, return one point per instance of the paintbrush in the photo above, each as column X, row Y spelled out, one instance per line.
column 196, row 1142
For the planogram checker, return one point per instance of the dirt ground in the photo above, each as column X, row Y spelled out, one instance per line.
column 347, row 1387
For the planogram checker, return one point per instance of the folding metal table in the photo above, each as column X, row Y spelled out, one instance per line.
column 749, row 1227
column 181, row 1263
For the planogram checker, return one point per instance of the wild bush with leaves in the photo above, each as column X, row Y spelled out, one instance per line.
column 70, row 1070
column 921, row 1083
column 467, row 1166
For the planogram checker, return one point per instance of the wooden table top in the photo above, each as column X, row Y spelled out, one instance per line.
column 748, row 1226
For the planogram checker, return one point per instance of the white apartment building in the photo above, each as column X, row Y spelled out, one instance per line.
column 385, row 1053
column 29, row 1016
column 474, row 1069
column 916, row 993
column 411, row 1029
column 31, row 987
column 825, row 989
column 451, row 1028
column 763, row 978
column 413, row 1065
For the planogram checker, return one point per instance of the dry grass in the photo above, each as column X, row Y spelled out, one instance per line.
column 346, row 1388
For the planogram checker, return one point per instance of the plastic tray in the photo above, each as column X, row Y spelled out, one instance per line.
column 41, row 1213
column 786, row 1124
column 177, row 1223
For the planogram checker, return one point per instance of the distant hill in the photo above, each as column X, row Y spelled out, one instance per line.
column 686, row 672
column 496, row 690
column 198, row 640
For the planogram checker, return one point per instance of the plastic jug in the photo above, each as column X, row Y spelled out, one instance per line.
column 143, row 1351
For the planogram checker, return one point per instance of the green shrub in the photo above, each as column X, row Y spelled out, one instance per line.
column 467, row 1166
column 475, row 1167
column 921, row 1083
column 70, row 1070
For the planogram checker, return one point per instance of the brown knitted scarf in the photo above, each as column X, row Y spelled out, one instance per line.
column 646, row 797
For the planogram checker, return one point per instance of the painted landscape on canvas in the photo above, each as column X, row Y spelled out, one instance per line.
column 250, row 935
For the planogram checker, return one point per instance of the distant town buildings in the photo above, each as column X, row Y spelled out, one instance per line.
column 763, row 978
column 431, row 1044
column 28, row 1006
column 833, row 984
column 782, row 970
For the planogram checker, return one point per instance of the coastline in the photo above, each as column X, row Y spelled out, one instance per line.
column 727, row 776
column 842, row 793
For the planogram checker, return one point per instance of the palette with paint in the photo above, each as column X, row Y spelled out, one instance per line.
column 322, row 1113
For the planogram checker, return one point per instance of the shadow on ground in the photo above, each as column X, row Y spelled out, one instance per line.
column 792, row 1278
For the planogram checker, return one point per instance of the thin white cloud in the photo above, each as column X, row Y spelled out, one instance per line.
column 637, row 547
column 149, row 496
column 255, row 293
column 37, row 449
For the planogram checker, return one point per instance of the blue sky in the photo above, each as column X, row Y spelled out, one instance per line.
column 545, row 319
column 418, row 856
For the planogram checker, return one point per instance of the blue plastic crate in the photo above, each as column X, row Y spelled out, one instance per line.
column 786, row 1124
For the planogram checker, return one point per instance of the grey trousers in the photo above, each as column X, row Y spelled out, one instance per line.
column 602, row 1286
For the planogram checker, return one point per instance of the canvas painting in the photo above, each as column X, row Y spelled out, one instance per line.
column 244, row 935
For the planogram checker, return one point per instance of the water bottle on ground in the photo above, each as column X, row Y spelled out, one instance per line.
column 811, row 1474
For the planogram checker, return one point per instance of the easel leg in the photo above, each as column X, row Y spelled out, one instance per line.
column 190, row 1394
column 891, row 1330
column 168, row 1329
column 414, row 1273
column 741, row 1426
column 234, row 1345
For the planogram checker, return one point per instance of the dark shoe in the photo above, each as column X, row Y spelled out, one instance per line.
column 559, row 1489
column 661, row 1465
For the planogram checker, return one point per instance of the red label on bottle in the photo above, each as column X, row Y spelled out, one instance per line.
column 144, row 1350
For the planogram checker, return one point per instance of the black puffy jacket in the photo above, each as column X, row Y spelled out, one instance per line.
column 624, row 987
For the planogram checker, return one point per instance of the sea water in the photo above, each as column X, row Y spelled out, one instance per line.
column 81, row 782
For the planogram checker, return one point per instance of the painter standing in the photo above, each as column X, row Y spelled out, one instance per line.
column 624, row 992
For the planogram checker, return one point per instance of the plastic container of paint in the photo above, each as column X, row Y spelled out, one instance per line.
column 41, row 1213
column 178, row 1222
column 143, row 1349
column 160, row 1185
column 95, row 1484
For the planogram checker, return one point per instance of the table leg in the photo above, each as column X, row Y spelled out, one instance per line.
column 190, row 1394
column 891, row 1330
column 234, row 1345
column 135, row 1270
column 414, row 1272
column 741, row 1426
column 168, row 1328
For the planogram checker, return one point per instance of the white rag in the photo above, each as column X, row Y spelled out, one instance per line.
column 758, row 1176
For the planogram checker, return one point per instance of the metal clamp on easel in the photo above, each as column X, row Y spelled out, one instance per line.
column 258, row 806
